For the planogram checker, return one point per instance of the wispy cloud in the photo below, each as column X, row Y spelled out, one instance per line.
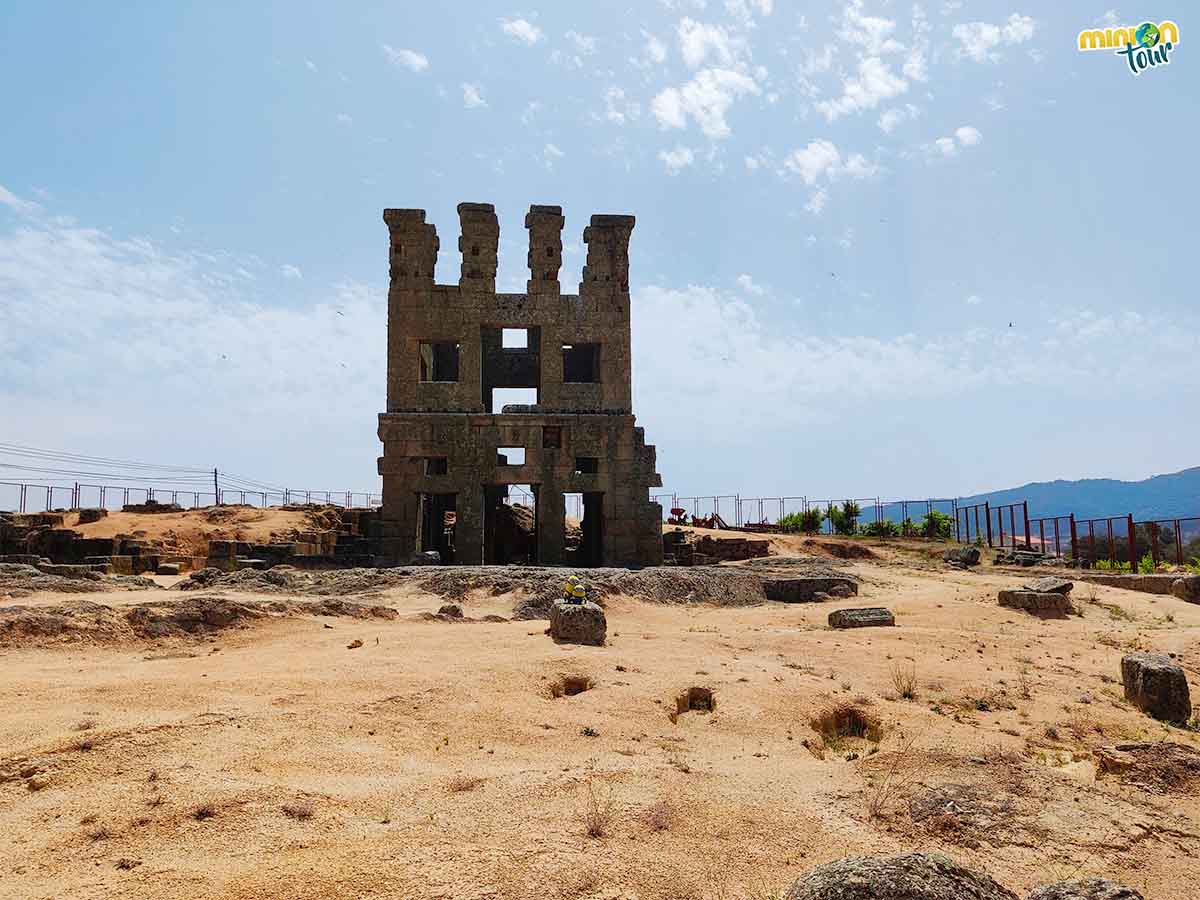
column 522, row 30
column 406, row 59
column 979, row 40
column 472, row 95
column 676, row 160
column 706, row 99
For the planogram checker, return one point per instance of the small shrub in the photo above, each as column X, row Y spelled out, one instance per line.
column 597, row 813
column 204, row 811
column 659, row 816
column 884, row 528
column 100, row 833
column 904, row 680
column 808, row 522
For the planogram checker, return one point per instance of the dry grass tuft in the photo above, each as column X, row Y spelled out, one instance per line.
column 205, row 810
column 598, row 810
column 659, row 816
column 904, row 679
column 899, row 773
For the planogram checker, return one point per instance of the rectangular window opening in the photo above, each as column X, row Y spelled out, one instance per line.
column 510, row 456
column 502, row 397
column 514, row 338
column 581, row 363
column 439, row 360
column 587, row 465
column 436, row 465
column 552, row 437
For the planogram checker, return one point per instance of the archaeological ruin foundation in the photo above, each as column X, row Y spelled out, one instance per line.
column 490, row 393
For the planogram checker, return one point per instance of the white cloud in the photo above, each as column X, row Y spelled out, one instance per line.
column 979, row 40
column 676, row 160
column 945, row 146
column 872, row 33
column 706, row 98
column 890, row 119
column 618, row 109
column 655, row 50
column 522, row 30
column 816, row 204
column 584, row 44
column 532, row 108
column 1110, row 19
column 974, row 300
column 287, row 270
column 345, row 119
column 472, row 96
column 15, row 203
column 408, row 59
column 747, row 284
column 968, row 135
column 874, row 83
column 310, row 65
column 821, row 158
column 551, row 153
column 846, row 241
column 697, row 42
column 743, row 10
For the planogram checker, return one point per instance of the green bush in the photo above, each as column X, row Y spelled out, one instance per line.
column 844, row 519
column 808, row 522
column 882, row 528
column 1107, row 565
column 937, row 524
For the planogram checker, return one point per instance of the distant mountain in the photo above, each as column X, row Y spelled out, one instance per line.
column 1160, row 497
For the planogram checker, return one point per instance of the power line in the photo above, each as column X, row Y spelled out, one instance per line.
column 64, row 456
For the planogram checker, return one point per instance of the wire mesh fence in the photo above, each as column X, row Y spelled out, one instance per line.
column 32, row 497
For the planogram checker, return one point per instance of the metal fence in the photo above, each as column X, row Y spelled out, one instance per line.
column 34, row 497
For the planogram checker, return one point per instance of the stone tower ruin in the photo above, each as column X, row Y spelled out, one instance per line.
column 450, row 457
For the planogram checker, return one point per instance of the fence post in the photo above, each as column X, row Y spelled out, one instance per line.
column 1178, row 545
column 1154, row 543
column 1132, row 544
column 987, row 513
column 1074, row 541
column 1028, row 543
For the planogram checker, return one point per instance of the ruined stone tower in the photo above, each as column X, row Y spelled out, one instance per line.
column 452, row 347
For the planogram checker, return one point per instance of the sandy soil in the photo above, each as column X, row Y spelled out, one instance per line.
column 434, row 761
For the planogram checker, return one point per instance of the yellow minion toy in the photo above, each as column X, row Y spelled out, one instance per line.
column 574, row 590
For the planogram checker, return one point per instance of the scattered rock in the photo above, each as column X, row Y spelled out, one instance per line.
column 1091, row 889
column 1050, row 605
column 1159, row 767
column 1187, row 588
column 354, row 644
column 426, row 558
column 804, row 589
column 865, row 617
column 1157, row 686
column 912, row 876
column 167, row 569
column 450, row 611
column 964, row 556
column 1051, row 584
column 578, row 623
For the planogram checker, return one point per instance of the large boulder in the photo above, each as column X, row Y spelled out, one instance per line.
column 912, row 876
column 1187, row 588
column 1157, row 686
column 1052, row 605
column 1051, row 584
column 866, row 617
column 963, row 556
column 578, row 623
column 1089, row 889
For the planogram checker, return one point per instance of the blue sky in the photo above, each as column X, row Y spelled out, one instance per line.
column 841, row 209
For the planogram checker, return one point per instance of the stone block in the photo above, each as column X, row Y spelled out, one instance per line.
column 1051, row 584
column 1156, row 685
column 1187, row 588
column 578, row 623
column 804, row 588
column 964, row 556
column 866, row 617
column 1047, row 605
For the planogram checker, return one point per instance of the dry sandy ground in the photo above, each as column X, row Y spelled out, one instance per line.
column 435, row 762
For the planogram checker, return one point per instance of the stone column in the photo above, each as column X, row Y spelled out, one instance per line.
column 545, row 224
column 478, row 242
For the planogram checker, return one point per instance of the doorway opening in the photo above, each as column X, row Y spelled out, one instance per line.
column 437, row 519
column 510, row 524
column 583, row 526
